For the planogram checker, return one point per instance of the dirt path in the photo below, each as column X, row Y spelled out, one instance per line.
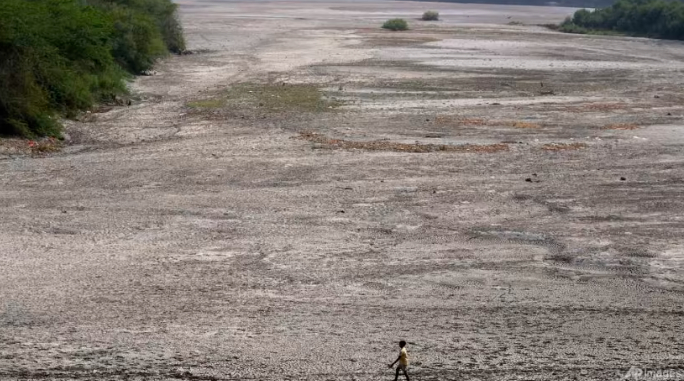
column 306, row 189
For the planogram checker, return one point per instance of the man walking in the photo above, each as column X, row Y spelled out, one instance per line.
column 403, row 362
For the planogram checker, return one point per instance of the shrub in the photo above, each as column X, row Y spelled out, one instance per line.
column 54, row 60
column 137, row 42
column 395, row 24
column 431, row 16
column 550, row 26
column 560, row 257
column 163, row 13
column 145, row 31
column 572, row 28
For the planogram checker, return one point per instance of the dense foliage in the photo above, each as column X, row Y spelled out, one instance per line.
column 395, row 24
column 58, row 57
column 648, row 18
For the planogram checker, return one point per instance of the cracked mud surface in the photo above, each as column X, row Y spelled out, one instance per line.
column 197, row 235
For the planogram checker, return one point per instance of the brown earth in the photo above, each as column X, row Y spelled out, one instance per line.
column 302, row 192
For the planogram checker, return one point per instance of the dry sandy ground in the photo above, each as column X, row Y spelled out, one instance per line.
column 232, row 225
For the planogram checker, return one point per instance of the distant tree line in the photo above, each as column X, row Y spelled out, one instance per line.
column 647, row 18
column 555, row 3
column 59, row 57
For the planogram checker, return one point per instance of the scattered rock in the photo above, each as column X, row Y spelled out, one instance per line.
column 656, row 96
column 434, row 135
column 406, row 189
column 623, row 178
column 533, row 179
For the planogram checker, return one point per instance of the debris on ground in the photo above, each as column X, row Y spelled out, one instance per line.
column 563, row 146
column 620, row 126
column 533, row 179
column 39, row 147
column 386, row 145
column 519, row 124
column 444, row 120
column 454, row 120
column 599, row 107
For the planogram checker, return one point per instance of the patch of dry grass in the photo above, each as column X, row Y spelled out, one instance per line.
column 599, row 107
column 401, row 40
column 284, row 97
column 563, row 146
column 520, row 124
column 385, row 145
column 459, row 121
column 208, row 103
column 620, row 126
column 271, row 97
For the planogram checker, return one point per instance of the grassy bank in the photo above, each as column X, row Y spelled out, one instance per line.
column 59, row 57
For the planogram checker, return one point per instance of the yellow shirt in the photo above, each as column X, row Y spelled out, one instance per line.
column 403, row 357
